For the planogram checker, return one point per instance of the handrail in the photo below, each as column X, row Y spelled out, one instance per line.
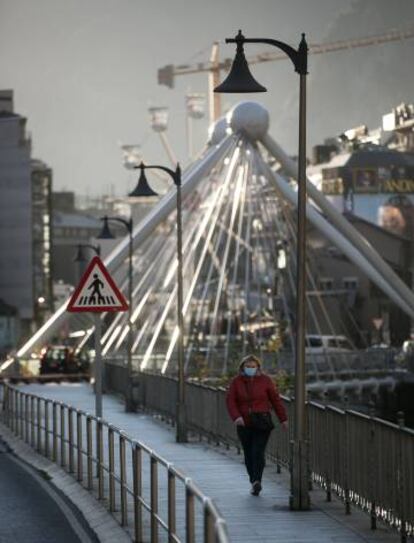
column 95, row 452
column 366, row 461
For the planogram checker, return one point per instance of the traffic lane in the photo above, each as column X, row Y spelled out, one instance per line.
column 27, row 511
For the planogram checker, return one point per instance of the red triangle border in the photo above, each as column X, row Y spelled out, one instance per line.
column 96, row 261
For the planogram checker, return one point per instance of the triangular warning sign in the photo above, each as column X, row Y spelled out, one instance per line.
column 97, row 291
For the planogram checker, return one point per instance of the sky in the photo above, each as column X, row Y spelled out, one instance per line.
column 84, row 73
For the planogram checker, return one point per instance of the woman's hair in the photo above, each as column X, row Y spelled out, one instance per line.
column 248, row 358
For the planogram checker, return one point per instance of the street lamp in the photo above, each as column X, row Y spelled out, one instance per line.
column 143, row 189
column 241, row 80
column 107, row 234
column 81, row 258
column 80, row 255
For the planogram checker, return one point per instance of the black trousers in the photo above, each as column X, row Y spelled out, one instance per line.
column 254, row 445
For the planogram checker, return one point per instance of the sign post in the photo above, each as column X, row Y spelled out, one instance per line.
column 98, row 366
column 97, row 293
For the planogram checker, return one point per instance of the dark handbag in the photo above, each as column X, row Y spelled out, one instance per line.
column 259, row 420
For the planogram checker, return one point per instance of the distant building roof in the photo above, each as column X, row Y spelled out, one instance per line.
column 368, row 158
column 74, row 220
column 381, row 157
column 38, row 164
column 8, row 114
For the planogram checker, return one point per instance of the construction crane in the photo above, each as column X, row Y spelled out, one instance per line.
column 167, row 74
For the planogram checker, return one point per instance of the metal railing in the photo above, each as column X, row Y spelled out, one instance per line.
column 149, row 497
column 366, row 461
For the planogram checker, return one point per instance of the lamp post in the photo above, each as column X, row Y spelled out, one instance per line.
column 240, row 80
column 143, row 189
column 107, row 234
column 80, row 255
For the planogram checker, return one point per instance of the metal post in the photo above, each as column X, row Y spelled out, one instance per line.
column 123, row 481
column 47, row 428
column 208, row 523
column 181, row 435
column 21, row 409
column 55, row 432
column 39, row 425
column 99, row 454
column 111, row 468
column 98, row 366
column 15, row 420
column 79, row 445
column 154, row 499
column 70, row 430
column 128, row 399
column 189, row 515
column 89, row 453
column 137, row 481
column 171, row 506
column 347, row 497
column 26, row 398
column 372, row 466
column 32, row 420
column 6, row 404
column 62, row 436
column 400, row 478
column 299, row 498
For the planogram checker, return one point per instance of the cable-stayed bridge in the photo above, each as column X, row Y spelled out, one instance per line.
column 239, row 256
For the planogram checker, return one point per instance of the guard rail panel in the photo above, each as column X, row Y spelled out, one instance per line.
column 149, row 497
column 364, row 460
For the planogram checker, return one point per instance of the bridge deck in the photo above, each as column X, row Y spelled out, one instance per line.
column 220, row 474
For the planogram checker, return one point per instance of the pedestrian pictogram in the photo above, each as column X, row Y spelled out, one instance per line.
column 97, row 291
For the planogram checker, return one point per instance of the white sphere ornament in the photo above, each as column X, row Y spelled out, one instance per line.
column 218, row 131
column 250, row 119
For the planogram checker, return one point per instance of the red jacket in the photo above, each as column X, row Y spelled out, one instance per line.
column 258, row 393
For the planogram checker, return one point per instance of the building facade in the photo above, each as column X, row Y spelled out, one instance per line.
column 25, row 249
column 16, row 256
column 41, row 177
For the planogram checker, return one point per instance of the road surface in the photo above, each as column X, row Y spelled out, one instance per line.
column 29, row 507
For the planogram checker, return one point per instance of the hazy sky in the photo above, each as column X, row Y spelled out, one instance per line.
column 85, row 71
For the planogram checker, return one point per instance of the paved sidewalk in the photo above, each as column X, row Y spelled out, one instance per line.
column 220, row 474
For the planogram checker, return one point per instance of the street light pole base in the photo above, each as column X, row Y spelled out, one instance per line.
column 299, row 499
column 129, row 405
column 129, row 402
column 181, row 427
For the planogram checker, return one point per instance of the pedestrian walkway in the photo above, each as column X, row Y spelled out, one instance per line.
column 220, row 474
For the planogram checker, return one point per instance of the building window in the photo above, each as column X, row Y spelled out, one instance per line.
column 350, row 283
column 326, row 283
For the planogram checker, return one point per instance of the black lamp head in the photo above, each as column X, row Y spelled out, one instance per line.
column 105, row 233
column 142, row 190
column 80, row 256
column 240, row 78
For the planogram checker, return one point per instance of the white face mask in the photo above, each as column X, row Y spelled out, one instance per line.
column 250, row 372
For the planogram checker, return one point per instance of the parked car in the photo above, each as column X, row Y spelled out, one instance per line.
column 318, row 344
column 63, row 359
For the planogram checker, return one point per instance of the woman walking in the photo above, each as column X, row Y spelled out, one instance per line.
column 250, row 399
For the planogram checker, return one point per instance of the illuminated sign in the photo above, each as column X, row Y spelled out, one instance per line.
column 391, row 180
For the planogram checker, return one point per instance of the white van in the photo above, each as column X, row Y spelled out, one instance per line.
column 315, row 344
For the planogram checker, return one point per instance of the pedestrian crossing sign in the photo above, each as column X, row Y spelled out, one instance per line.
column 97, row 291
